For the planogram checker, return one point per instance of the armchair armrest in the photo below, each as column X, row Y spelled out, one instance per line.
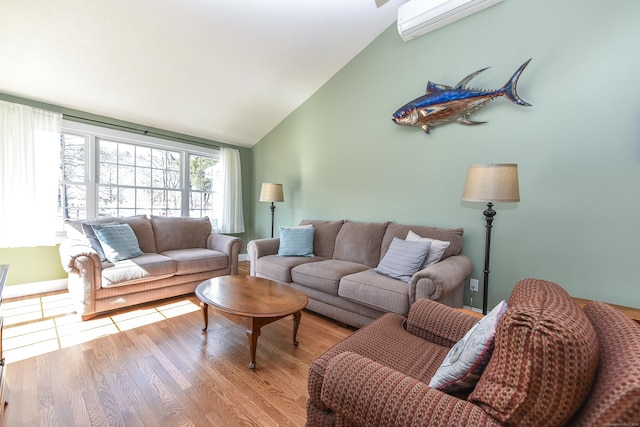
column 440, row 279
column 229, row 245
column 438, row 323
column 368, row 394
column 259, row 248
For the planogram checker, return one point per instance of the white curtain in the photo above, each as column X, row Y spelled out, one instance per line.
column 231, row 217
column 29, row 168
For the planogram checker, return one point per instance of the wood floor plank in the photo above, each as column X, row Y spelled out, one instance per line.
column 168, row 372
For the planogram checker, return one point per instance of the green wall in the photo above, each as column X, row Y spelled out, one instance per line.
column 578, row 148
column 27, row 265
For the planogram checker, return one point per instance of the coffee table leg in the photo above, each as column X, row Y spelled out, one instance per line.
column 253, row 333
column 205, row 315
column 296, row 324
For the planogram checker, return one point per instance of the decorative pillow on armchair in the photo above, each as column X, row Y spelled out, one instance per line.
column 296, row 241
column 466, row 360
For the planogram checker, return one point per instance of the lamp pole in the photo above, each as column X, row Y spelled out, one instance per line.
column 489, row 213
column 273, row 212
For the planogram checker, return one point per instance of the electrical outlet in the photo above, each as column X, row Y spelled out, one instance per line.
column 473, row 285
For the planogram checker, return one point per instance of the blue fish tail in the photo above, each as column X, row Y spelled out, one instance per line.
column 509, row 89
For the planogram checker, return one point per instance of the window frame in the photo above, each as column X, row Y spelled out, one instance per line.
column 92, row 133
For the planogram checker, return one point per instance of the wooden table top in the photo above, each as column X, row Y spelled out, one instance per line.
column 251, row 296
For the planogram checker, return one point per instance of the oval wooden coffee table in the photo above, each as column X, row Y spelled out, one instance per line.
column 260, row 301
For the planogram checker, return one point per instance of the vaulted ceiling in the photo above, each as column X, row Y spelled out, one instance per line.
column 226, row 70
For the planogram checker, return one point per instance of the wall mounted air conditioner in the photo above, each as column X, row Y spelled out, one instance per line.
column 418, row 17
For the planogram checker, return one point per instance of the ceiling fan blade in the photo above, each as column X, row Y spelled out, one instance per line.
column 380, row 2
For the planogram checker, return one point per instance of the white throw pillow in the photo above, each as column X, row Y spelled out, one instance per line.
column 466, row 360
column 435, row 251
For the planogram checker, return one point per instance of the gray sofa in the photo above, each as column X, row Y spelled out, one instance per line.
column 340, row 279
column 177, row 254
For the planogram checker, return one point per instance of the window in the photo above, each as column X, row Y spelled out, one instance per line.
column 106, row 172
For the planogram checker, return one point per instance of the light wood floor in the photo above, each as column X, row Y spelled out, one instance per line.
column 167, row 372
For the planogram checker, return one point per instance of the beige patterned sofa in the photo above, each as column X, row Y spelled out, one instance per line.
column 553, row 364
column 341, row 279
column 177, row 254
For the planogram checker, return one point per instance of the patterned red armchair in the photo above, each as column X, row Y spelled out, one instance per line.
column 553, row 364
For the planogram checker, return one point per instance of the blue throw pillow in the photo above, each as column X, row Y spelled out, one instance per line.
column 296, row 241
column 403, row 259
column 118, row 241
column 93, row 239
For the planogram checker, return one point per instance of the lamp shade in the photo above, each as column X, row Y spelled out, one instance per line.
column 271, row 192
column 492, row 183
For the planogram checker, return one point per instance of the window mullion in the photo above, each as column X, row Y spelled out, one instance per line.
column 91, row 175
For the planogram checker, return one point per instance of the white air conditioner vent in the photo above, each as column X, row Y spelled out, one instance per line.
column 418, row 17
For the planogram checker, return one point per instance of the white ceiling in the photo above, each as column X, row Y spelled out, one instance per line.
column 227, row 70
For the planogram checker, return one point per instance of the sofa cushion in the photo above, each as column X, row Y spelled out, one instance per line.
column 376, row 291
column 279, row 268
column 173, row 233
column 453, row 235
column 403, row 259
column 196, row 260
column 436, row 250
column 118, row 241
column 466, row 360
column 138, row 269
column 141, row 226
column 324, row 238
column 360, row 242
column 544, row 360
column 324, row 275
column 615, row 396
column 296, row 241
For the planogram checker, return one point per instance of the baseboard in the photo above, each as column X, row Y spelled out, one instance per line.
column 15, row 291
column 468, row 307
column 243, row 257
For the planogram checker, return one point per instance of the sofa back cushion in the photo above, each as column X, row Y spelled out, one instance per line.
column 360, row 242
column 544, row 360
column 324, row 238
column 173, row 233
column 140, row 225
column 453, row 235
column 615, row 397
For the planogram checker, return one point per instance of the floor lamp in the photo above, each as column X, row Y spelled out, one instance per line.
column 490, row 183
column 271, row 193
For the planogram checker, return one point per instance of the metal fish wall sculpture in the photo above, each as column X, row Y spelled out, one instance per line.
column 443, row 104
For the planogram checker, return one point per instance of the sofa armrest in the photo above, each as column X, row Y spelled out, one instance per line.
column 368, row 394
column 441, row 279
column 438, row 323
column 229, row 245
column 71, row 249
column 259, row 248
